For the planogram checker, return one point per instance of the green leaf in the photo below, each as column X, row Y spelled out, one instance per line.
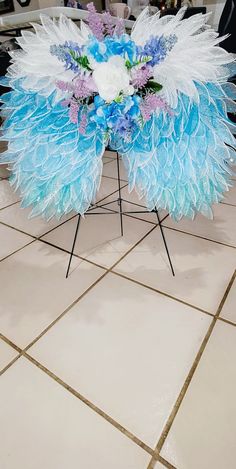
column 83, row 61
column 154, row 86
column 128, row 64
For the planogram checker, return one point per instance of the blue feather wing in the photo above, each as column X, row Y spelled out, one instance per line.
column 56, row 168
column 182, row 163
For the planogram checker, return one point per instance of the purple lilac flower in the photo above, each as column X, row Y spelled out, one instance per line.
column 158, row 47
column 65, row 103
column 95, row 22
column 119, row 27
column 109, row 23
column 73, row 112
column 80, row 89
column 150, row 103
column 83, row 123
column 141, row 76
column 64, row 86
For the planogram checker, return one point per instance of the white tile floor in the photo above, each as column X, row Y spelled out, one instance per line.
column 121, row 366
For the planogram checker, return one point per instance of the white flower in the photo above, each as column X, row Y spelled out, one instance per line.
column 112, row 78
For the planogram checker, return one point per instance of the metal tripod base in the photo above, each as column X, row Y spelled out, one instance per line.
column 109, row 211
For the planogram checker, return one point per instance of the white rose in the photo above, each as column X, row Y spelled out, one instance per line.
column 111, row 78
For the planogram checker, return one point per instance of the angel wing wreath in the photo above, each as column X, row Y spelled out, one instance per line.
column 160, row 97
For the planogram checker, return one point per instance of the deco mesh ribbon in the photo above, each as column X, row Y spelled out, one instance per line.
column 160, row 97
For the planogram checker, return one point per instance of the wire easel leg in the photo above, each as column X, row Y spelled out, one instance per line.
column 165, row 243
column 73, row 246
column 120, row 198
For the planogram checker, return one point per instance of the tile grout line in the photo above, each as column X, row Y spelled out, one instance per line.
column 227, row 203
column 15, row 347
column 110, row 269
column 199, row 236
column 105, row 273
column 92, row 406
column 18, row 230
column 38, row 238
column 128, row 215
column 57, row 226
column 24, row 353
column 10, row 364
column 163, row 461
column 227, row 321
column 197, row 308
column 77, row 256
column 18, row 250
column 10, row 205
column 190, row 375
column 115, row 179
column 10, row 343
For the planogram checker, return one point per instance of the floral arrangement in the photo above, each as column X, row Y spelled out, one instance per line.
column 113, row 80
column 159, row 96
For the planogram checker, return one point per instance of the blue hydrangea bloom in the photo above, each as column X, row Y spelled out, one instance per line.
column 158, row 47
column 117, row 45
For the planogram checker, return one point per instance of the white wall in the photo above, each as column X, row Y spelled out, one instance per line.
column 216, row 7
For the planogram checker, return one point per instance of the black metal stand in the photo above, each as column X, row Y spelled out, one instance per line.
column 109, row 211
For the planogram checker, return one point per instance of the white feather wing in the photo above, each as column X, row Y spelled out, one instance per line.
column 34, row 62
column 193, row 58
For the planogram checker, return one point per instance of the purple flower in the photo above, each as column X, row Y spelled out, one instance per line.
column 95, row 22
column 64, row 86
column 83, row 123
column 151, row 103
column 109, row 23
column 73, row 112
column 119, row 27
column 80, row 89
column 141, row 76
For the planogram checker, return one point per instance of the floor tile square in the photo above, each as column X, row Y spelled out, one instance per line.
column 203, row 432
column 229, row 309
column 11, row 240
column 106, row 160
column 34, row 290
column 7, row 194
column 110, row 170
column 128, row 350
column 44, row 426
column 19, row 218
column 99, row 238
column 203, row 269
column 4, row 173
column 222, row 228
column 132, row 203
column 230, row 196
column 107, row 187
column 7, row 354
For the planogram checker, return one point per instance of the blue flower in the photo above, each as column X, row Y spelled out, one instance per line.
column 97, row 50
column 116, row 45
column 121, row 118
column 157, row 48
column 68, row 53
column 121, row 45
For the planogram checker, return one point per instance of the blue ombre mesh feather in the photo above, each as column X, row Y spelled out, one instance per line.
column 181, row 163
column 55, row 168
